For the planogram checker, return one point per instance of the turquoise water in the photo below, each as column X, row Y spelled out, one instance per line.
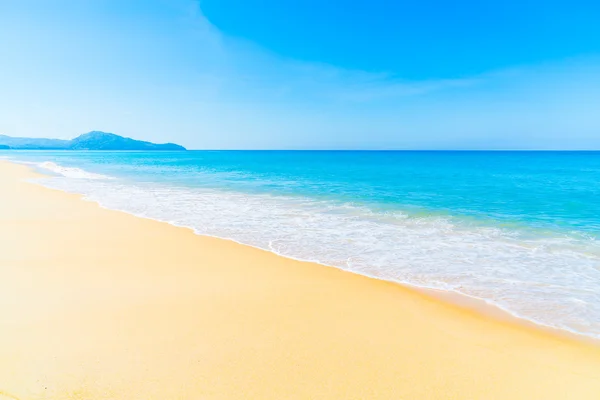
column 517, row 229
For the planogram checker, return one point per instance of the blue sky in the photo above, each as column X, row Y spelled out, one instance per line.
column 305, row 74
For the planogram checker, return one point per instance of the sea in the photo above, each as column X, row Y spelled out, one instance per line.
column 518, row 230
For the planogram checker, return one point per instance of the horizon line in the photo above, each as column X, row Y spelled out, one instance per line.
column 339, row 150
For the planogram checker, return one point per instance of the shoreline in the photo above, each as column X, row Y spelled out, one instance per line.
column 233, row 319
column 488, row 310
column 462, row 300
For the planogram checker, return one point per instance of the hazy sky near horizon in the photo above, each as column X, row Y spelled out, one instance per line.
column 305, row 74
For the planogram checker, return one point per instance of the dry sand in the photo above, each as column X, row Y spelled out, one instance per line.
column 98, row 304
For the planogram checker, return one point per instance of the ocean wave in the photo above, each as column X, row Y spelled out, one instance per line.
column 550, row 280
column 70, row 172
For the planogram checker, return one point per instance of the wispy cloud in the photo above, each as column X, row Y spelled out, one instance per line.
column 251, row 67
column 389, row 89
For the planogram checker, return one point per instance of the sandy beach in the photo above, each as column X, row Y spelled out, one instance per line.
column 99, row 304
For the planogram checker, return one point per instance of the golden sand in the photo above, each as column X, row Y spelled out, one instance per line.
column 98, row 304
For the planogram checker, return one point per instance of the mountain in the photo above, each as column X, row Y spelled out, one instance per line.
column 33, row 144
column 109, row 141
column 88, row 141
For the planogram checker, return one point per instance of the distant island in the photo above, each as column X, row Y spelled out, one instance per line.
column 94, row 140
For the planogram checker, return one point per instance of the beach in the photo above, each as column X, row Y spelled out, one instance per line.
column 100, row 304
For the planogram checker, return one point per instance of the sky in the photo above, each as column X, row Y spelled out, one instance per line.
column 277, row 74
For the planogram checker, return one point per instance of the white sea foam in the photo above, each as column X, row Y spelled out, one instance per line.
column 553, row 281
column 70, row 172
